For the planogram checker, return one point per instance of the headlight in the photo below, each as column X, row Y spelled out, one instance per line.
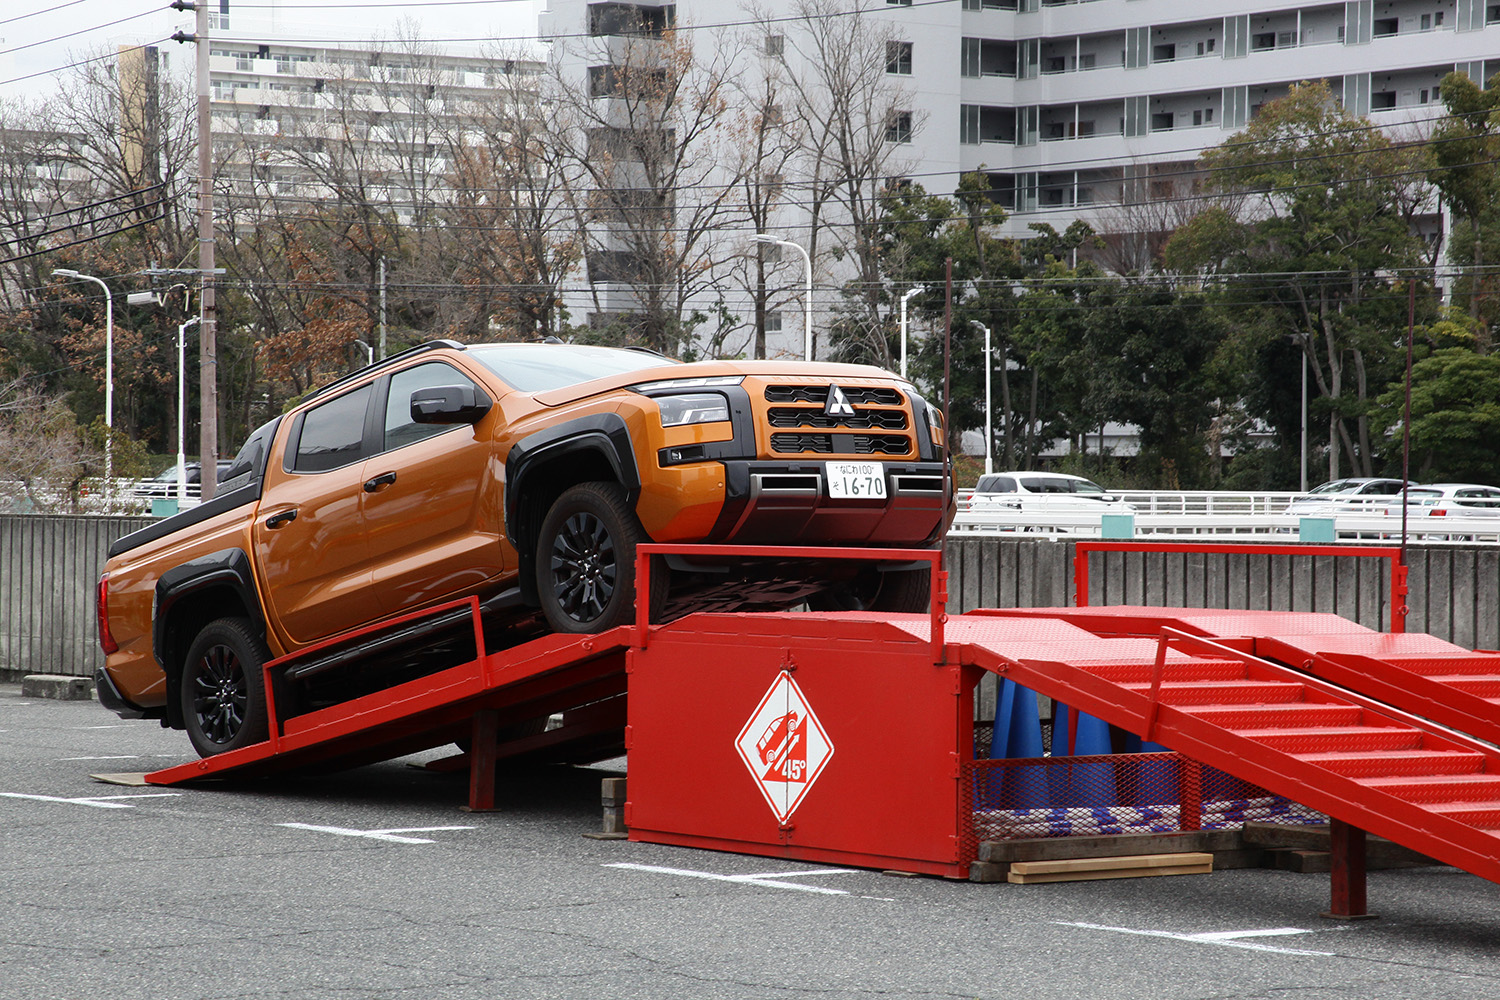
column 698, row 408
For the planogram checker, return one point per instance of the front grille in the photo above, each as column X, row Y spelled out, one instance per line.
column 868, row 395
column 790, row 444
column 848, row 444
column 787, row 416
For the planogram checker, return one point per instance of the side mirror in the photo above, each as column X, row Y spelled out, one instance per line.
column 449, row 404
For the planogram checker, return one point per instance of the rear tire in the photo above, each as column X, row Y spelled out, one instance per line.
column 585, row 560
column 223, row 694
column 905, row 591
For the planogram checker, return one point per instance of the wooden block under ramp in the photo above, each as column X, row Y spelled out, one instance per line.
column 1128, row 866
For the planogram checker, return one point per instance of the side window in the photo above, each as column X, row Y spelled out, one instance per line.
column 333, row 434
column 400, row 429
column 1005, row 484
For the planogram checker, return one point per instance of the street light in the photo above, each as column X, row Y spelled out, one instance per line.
column 109, row 373
column 807, row 346
column 182, row 409
column 989, row 436
column 904, row 298
column 369, row 351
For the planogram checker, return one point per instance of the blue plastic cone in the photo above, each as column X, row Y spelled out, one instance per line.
column 1017, row 734
column 1075, row 786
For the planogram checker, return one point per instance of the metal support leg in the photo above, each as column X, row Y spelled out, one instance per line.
column 1347, row 880
column 486, row 730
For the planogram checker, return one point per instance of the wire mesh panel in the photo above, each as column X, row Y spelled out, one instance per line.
column 1110, row 794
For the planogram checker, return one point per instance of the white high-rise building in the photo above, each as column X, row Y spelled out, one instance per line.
column 1072, row 107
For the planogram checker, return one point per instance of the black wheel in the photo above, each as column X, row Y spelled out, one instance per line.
column 901, row 590
column 585, row 560
column 223, row 693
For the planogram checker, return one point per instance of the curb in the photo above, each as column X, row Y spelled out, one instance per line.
column 59, row 687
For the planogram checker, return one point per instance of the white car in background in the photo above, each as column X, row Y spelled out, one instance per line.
column 1455, row 500
column 1045, row 493
column 1345, row 496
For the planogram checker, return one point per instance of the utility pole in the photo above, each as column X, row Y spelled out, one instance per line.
column 382, row 308
column 208, row 368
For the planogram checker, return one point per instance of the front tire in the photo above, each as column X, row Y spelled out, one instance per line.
column 585, row 560
column 223, row 692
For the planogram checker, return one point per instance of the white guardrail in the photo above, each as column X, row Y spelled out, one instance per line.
column 1246, row 517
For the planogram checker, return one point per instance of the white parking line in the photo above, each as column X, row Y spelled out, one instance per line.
column 393, row 835
column 97, row 801
column 772, row 879
column 121, row 725
column 1226, row 939
column 128, row 756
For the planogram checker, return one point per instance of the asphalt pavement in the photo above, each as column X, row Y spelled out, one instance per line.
column 373, row 884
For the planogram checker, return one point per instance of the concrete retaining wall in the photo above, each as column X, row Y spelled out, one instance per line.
column 50, row 564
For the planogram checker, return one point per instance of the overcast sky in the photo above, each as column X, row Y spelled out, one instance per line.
column 39, row 37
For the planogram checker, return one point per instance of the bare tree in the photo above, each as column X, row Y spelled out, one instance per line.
column 856, row 122
column 647, row 130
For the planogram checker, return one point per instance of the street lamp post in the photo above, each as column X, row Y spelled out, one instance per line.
column 989, row 435
column 905, row 297
column 369, row 351
column 807, row 344
column 182, row 408
column 109, row 374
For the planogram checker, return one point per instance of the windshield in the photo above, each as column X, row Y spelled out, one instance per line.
column 539, row 367
column 1337, row 486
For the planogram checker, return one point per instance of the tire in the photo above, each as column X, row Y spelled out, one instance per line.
column 907, row 591
column 585, row 560
column 223, row 693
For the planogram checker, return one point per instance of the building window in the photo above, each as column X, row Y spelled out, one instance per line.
column 630, row 19
column 968, row 124
column 898, row 3
column 775, row 45
column 1163, row 53
column 602, row 81
column 898, row 58
column 970, row 50
column 1386, row 26
column 773, row 321
column 1382, row 100
column 973, row 5
column 1262, row 41
column 898, row 127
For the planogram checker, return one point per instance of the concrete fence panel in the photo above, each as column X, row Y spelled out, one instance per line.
column 50, row 564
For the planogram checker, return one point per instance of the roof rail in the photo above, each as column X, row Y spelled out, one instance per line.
column 431, row 345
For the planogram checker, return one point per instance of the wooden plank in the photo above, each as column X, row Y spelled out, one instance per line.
column 1111, row 864
column 1317, row 838
column 1088, row 869
column 1109, row 845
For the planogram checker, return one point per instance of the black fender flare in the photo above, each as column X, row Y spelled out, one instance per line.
column 604, row 435
column 231, row 568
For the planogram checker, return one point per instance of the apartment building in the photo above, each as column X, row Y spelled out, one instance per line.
column 1073, row 107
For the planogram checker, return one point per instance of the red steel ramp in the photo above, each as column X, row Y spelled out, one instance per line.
column 884, row 698
column 1417, row 673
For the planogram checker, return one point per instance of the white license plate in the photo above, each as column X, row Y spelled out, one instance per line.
column 861, row 480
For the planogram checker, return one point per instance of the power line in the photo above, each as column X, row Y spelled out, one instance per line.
column 83, row 62
column 78, row 242
column 47, row 10
column 80, row 31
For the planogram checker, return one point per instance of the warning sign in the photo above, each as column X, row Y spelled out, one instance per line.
column 784, row 746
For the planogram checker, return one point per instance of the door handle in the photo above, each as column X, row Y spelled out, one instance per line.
column 384, row 479
column 284, row 517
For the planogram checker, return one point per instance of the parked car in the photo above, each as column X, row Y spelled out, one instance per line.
column 1346, row 495
column 1045, row 493
column 165, row 483
column 524, row 475
column 1456, row 500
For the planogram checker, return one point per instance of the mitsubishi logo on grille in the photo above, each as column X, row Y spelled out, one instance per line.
column 838, row 404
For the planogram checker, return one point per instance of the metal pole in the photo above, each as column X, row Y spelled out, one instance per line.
column 208, row 367
column 904, row 299
column 182, row 410
column 989, row 436
column 382, row 309
column 109, row 375
column 807, row 336
column 1304, row 421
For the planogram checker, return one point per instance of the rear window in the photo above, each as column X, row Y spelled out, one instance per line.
column 995, row 484
column 539, row 367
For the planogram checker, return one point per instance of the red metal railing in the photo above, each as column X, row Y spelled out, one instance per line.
column 1393, row 553
column 938, row 590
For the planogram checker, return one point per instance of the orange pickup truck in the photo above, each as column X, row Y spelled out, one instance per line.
column 525, row 475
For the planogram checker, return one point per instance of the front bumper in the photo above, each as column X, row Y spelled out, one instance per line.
column 788, row 503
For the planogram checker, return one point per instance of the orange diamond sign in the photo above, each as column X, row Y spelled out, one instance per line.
column 784, row 746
